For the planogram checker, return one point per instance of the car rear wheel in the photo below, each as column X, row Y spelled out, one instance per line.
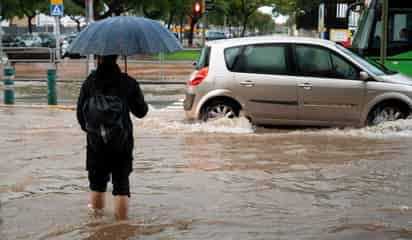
column 386, row 113
column 220, row 109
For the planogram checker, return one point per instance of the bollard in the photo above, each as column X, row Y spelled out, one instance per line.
column 8, row 85
column 51, row 84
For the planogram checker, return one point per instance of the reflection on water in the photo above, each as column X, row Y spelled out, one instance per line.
column 220, row 180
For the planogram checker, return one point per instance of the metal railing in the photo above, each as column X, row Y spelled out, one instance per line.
column 157, row 69
column 30, row 54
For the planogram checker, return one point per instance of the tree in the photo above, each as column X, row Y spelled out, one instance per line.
column 294, row 8
column 29, row 9
column 75, row 11
column 23, row 8
column 219, row 13
column 183, row 11
column 264, row 23
column 177, row 9
column 10, row 11
column 155, row 9
column 245, row 8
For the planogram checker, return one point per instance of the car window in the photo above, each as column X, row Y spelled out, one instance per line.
column 313, row 61
column 204, row 58
column 343, row 69
column 258, row 59
column 232, row 56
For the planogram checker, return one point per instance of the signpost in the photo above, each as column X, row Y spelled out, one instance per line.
column 56, row 10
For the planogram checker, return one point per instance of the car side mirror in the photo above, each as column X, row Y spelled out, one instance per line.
column 364, row 76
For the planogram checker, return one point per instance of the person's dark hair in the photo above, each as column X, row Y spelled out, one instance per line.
column 108, row 74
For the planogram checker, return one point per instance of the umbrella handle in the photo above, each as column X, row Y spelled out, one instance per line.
column 125, row 63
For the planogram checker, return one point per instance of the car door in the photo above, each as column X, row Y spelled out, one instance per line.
column 329, row 87
column 262, row 80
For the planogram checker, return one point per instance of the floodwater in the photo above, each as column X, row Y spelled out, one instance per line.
column 219, row 180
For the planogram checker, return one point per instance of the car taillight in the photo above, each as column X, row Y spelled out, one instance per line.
column 199, row 76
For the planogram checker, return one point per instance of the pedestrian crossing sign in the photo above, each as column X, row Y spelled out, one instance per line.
column 56, row 10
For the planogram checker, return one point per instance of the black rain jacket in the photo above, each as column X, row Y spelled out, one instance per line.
column 109, row 80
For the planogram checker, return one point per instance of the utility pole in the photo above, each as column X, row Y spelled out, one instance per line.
column 90, row 20
column 384, row 42
column 204, row 20
column 1, row 49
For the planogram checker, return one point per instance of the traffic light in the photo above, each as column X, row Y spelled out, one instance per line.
column 197, row 9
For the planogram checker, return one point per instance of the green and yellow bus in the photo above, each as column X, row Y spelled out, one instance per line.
column 367, row 39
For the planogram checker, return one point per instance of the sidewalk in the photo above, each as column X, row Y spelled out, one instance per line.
column 75, row 69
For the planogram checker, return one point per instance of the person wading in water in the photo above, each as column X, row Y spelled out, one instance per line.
column 103, row 111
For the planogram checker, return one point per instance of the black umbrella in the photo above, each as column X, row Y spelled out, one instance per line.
column 126, row 36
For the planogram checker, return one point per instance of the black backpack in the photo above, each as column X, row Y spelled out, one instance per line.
column 106, row 120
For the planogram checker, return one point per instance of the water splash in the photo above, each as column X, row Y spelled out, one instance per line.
column 173, row 121
column 400, row 128
column 231, row 126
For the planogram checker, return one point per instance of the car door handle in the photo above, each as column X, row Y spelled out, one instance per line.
column 306, row 86
column 247, row 84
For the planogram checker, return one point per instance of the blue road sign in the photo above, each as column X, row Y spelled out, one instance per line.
column 56, row 10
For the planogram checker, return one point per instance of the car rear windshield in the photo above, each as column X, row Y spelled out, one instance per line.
column 204, row 58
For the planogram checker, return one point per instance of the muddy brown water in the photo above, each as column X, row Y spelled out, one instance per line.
column 220, row 180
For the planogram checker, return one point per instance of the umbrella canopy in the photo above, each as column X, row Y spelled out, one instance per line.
column 125, row 35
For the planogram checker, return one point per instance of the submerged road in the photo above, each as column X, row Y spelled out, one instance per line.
column 220, row 180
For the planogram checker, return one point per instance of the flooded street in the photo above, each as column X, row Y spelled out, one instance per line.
column 218, row 180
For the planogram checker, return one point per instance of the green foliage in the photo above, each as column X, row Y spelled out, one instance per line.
column 234, row 12
column 264, row 23
column 242, row 10
column 293, row 7
column 22, row 8
column 73, row 8
column 155, row 9
column 8, row 9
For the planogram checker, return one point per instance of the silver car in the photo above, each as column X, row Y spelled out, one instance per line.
column 294, row 81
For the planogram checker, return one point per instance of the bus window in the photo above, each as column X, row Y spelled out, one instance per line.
column 377, row 36
column 367, row 39
column 400, row 25
column 399, row 28
column 399, row 36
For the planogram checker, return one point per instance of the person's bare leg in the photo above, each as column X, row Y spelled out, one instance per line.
column 97, row 200
column 121, row 207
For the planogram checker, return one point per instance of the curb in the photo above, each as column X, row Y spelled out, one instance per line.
column 141, row 82
column 49, row 107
